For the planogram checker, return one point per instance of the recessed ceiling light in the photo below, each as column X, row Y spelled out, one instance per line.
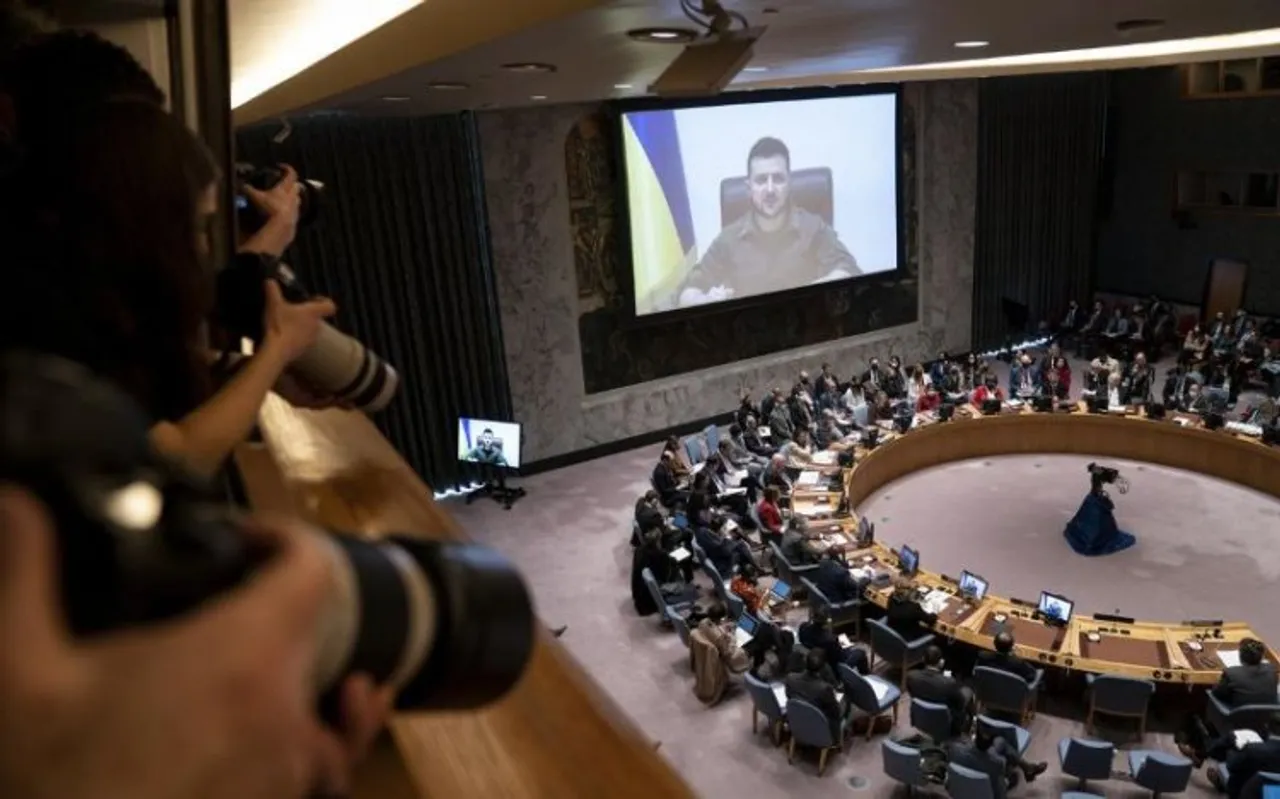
column 538, row 97
column 396, row 98
column 529, row 66
column 663, row 35
column 755, row 69
column 448, row 85
column 622, row 85
column 971, row 44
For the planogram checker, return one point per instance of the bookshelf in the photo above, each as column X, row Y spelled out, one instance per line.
column 1244, row 192
column 1240, row 77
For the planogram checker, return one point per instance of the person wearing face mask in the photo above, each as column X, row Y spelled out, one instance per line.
column 990, row 389
column 1024, row 379
column 895, row 384
column 873, row 378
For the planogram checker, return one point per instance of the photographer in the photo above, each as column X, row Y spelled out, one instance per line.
column 109, row 219
column 219, row 705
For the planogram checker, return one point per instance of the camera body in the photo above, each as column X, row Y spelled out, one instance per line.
column 447, row 625
column 266, row 178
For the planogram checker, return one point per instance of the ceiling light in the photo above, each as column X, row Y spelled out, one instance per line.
column 529, row 66
column 972, row 44
column 538, row 97
column 396, row 98
column 663, row 35
column 448, row 85
column 622, row 85
column 313, row 31
column 755, row 69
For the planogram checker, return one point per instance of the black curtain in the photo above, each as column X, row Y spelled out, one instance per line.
column 401, row 244
column 1040, row 149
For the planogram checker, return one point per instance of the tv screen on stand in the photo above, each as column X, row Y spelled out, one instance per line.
column 487, row 442
column 734, row 200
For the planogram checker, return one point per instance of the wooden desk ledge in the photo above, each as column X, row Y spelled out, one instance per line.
column 555, row 735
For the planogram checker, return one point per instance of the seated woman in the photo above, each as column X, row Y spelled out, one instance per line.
column 799, row 450
column 928, row 399
column 718, row 629
column 770, row 516
column 1060, row 367
column 990, row 389
column 677, row 461
column 746, row 586
column 1093, row 530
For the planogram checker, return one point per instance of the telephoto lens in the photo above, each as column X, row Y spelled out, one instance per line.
column 336, row 365
column 449, row 626
column 264, row 178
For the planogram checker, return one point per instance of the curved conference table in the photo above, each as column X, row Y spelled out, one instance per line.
column 1178, row 653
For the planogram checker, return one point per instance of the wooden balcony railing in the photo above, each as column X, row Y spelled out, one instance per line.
column 555, row 735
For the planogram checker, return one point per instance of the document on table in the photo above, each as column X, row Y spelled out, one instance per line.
column 935, row 601
column 680, row 555
column 824, row 457
column 809, row 478
column 1229, row 657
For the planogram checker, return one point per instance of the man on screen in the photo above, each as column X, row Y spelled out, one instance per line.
column 774, row 246
column 487, row 450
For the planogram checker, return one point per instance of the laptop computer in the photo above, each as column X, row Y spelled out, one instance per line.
column 745, row 631
column 779, row 593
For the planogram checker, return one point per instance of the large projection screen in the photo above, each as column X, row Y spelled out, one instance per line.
column 727, row 202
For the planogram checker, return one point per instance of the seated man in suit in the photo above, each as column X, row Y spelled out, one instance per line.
column 1245, row 762
column 832, row 578
column 932, row 684
column 1176, row 386
column 775, row 246
column 904, row 614
column 801, row 545
column 1024, row 379
column 753, row 441
column 1253, row 682
column 1005, row 660
column 817, row 633
column 1118, row 325
column 1139, row 380
column 994, row 757
column 810, row 686
column 649, row 514
column 781, row 428
column 724, row 552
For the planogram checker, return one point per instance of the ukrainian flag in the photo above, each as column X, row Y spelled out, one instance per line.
column 662, row 240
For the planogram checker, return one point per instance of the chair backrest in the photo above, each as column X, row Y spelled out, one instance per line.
column 859, row 691
column 656, row 592
column 1088, row 760
column 693, row 448
column 1122, row 696
column 734, row 605
column 886, row 642
column 712, row 435
column 699, row 554
column 931, row 718
column 902, row 763
column 1254, row 785
column 817, row 599
column 1251, row 717
column 811, row 189
column 717, row 580
column 808, row 725
column 763, row 697
column 1163, row 773
column 965, row 783
column 1000, row 729
column 998, row 688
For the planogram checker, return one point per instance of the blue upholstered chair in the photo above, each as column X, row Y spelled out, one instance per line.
column 870, row 694
column 932, row 719
column 1159, row 772
column 1262, row 778
column 712, row 435
column 695, row 448
column 836, row 611
column 764, row 702
column 1080, row 795
column 1004, row 691
column 903, row 764
column 665, row 608
column 681, row 625
column 719, row 585
column 699, row 554
column 1017, row 737
column 1086, row 760
column 809, row 727
column 1245, row 717
column 901, row 653
column 965, row 783
column 1118, row 696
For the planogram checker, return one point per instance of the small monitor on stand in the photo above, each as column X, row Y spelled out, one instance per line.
column 1055, row 609
column 494, row 447
column 908, row 561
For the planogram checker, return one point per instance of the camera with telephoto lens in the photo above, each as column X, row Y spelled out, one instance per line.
column 265, row 178
column 336, row 365
column 448, row 626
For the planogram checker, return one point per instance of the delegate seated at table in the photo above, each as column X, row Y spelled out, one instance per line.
column 1004, row 659
column 932, row 684
column 809, row 686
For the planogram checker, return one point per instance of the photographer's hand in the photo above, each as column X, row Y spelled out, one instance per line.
column 218, row 705
column 290, row 328
column 281, row 205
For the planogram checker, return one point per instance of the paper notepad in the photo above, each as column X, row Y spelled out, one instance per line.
column 824, row 457
column 680, row 554
column 764, row 431
column 809, row 478
column 1229, row 657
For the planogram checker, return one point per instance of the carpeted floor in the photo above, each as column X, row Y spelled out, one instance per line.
column 1203, row 551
